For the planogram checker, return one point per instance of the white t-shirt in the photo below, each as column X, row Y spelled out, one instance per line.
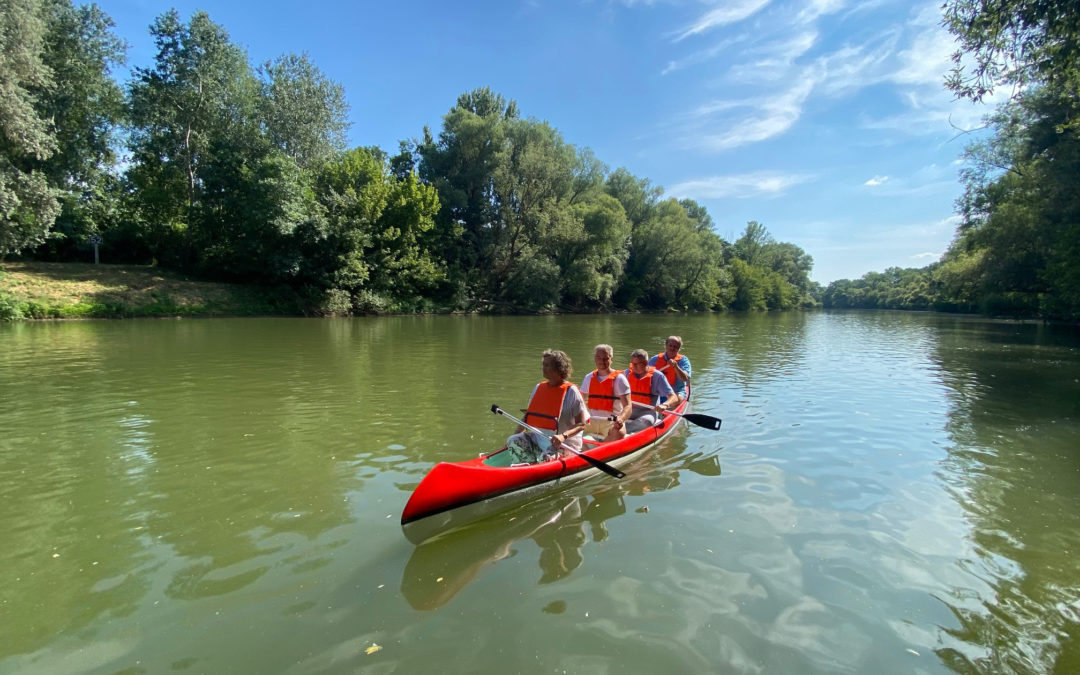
column 622, row 386
column 573, row 408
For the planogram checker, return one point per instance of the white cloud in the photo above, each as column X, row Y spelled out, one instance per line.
column 772, row 116
column 704, row 55
column 927, row 60
column 852, row 68
column 775, row 59
column 729, row 12
column 758, row 183
column 932, row 112
column 876, row 180
column 818, row 8
column 928, row 254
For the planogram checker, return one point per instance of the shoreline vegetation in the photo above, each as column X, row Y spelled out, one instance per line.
column 32, row 290
column 248, row 187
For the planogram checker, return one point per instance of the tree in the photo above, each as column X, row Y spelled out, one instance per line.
column 791, row 262
column 750, row 286
column 461, row 166
column 672, row 263
column 28, row 204
column 368, row 241
column 591, row 250
column 304, row 112
column 751, row 246
column 85, row 107
column 200, row 95
column 1013, row 42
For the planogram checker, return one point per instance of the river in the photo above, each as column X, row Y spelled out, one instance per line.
column 889, row 492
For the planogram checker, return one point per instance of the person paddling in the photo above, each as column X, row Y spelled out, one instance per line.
column 556, row 405
column 674, row 366
column 648, row 386
column 607, row 393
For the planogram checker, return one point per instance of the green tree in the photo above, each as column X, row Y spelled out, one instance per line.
column 1017, row 244
column 461, row 165
column 304, row 112
column 752, row 245
column 591, row 250
column 1020, row 210
column 751, row 286
column 85, row 106
column 368, row 242
column 1013, row 42
column 200, row 95
column 28, row 204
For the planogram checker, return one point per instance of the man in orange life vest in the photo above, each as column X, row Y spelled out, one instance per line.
column 607, row 393
column 555, row 405
column 674, row 366
column 648, row 386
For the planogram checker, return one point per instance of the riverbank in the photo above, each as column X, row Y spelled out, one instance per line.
column 41, row 290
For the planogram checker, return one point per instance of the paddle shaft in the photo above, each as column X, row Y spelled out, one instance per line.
column 706, row 421
column 606, row 468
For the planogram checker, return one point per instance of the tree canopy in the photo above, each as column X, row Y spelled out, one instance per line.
column 244, row 174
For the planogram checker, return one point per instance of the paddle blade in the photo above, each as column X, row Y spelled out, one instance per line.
column 606, row 468
column 706, row 421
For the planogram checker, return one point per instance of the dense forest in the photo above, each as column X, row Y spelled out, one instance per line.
column 205, row 164
column 208, row 165
column 1017, row 249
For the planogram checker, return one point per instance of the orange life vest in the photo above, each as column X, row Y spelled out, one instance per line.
column 671, row 374
column 641, row 387
column 602, row 394
column 546, row 405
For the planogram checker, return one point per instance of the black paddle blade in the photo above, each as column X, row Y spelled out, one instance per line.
column 606, row 468
column 707, row 421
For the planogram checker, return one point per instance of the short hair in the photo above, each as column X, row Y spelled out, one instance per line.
column 675, row 338
column 639, row 354
column 604, row 348
column 561, row 362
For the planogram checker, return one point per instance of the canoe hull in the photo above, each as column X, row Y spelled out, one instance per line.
column 454, row 494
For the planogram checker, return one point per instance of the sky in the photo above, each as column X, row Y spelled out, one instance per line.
column 824, row 120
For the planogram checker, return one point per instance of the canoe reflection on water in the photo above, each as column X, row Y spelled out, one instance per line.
column 560, row 525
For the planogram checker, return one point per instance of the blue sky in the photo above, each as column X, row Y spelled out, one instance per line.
column 824, row 120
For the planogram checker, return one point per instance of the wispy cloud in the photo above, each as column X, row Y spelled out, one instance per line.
column 729, row 12
column 769, row 117
column 774, row 61
column 928, row 254
column 931, row 112
column 818, row 8
column 855, row 67
column 876, row 180
column 720, row 48
column 927, row 59
column 756, row 184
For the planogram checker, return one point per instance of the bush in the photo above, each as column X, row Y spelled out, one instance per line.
column 10, row 308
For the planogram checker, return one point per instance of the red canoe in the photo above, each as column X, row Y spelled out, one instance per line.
column 456, row 493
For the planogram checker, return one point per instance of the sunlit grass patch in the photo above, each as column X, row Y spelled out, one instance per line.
column 36, row 290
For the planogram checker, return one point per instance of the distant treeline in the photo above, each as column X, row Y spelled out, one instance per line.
column 207, row 165
column 1017, row 249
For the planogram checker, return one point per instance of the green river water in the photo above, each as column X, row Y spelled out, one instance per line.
column 889, row 493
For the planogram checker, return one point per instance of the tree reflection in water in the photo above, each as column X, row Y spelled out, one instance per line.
column 440, row 568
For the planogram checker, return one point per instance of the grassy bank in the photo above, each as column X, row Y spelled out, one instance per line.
column 36, row 290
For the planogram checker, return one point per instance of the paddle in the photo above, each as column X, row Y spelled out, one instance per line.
column 707, row 421
column 606, row 468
